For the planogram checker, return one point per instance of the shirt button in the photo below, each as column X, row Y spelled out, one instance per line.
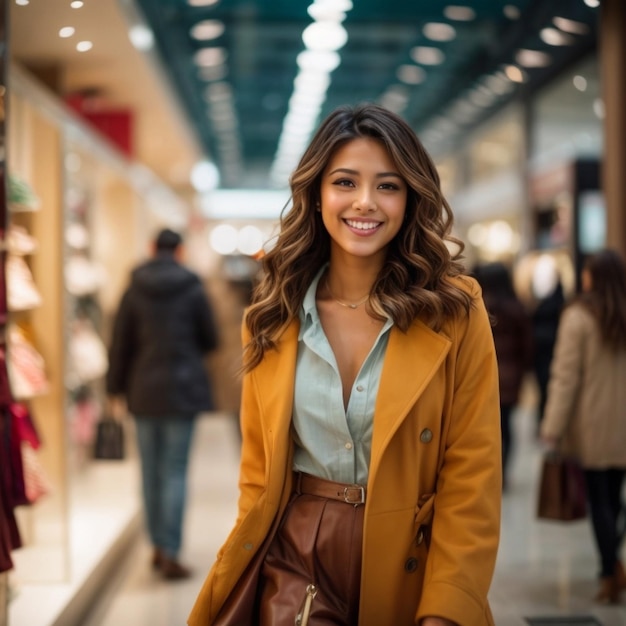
column 359, row 387
column 348, row 446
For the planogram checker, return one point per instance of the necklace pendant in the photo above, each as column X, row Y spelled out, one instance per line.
column 353, row 306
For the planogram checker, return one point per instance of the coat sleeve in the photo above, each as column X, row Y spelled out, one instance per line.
column 566, row 373
column 122, row 348
column 466, row 521
column 251, row 486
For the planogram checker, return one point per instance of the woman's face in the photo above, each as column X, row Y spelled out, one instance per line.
column 363, row 199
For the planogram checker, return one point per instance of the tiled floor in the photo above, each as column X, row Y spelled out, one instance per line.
column 543, row 569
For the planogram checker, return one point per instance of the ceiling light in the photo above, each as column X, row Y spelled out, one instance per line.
column 326, row 12
column 570, row 26
column 217, row 72
column 141, row 37
column 438, row 31
column 324, row 36
column 532, row 58
column 580, row 82
column 426, row 55
column 460, row 13
column 202, row 3
column 77, row 4
column 67, row 31
column 249, row 240
column 84, row 46
column 223, row 239
column 598, row 108
column 207, row 30
column 554, row 37
column 411, row 74
column 515, row 74
column 210, row 57
column 594, row 4
column 511, row 11
column 22, row 3
column 318, row 60
column 204, row 176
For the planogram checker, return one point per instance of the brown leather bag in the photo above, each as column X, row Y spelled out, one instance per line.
column 242, row 603
column 562, row 493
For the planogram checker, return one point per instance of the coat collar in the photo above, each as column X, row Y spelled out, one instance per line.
column 411, row 361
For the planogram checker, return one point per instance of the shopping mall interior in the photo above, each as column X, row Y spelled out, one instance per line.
column 122, row 117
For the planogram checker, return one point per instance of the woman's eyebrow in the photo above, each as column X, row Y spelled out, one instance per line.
column 346, row 170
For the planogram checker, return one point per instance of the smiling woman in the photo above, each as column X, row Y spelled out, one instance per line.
column 369, row 413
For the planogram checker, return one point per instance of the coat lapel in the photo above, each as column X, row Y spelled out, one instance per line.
column 410, row 363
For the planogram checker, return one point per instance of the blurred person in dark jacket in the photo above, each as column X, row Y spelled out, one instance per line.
column 586, row 411
column 163, row 329
column 548, row 291
column 512, row 337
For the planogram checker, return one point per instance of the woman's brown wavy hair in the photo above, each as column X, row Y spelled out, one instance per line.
column 607, row 298
column 415, row 279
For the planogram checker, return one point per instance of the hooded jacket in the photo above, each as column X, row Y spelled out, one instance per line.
column 432, row 516
column 162, row 331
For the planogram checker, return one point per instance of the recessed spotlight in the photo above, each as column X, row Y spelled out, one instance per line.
column 554, row 37
column 515, row 74
column 512, row 12
column 438, row 31
column 459, row 13
column 141, row 37
column 580, row 82
column 570, row 26
column 426, row 55
column 411, row 74
column 66, row 31
column 532, row 58
column 84, row 46
column 594, row 4
column 202, row 3
column 207, row 30
column 22, row 3
column 210, row 57
column 77, row 4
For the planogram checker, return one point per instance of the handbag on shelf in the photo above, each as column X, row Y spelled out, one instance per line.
column 109, row 443
column 562, row 491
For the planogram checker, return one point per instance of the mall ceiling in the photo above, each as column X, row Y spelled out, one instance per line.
column 441, row 65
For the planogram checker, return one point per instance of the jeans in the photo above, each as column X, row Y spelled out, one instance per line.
column 164, row 444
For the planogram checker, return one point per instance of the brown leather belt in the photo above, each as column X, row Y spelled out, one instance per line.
column 314, row 486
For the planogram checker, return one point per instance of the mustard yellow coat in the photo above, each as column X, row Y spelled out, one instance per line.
column 432, row 515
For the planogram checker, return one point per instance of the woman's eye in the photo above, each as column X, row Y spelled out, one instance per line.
column 343, row 182
column 389, row 186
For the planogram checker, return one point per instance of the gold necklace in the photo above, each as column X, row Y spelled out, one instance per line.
column 347, row 305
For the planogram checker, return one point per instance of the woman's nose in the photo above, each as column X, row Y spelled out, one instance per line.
column 365, row 202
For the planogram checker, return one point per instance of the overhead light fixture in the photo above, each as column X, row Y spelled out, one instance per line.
column 594, row 4
column 459, row 13
column 511, row 11
column 318, row 60
column 598, row 108
column 202, row 3
column 66, row 31
column 77, row 4
column 439, row 31
column 204, row 176
column 411, row 74
column 22, row 3
column 580, row 82
column 570, row 26
column 425, row 55
column 554, row 37
column 514, row 73
column 141, row 37
column 210, row 57
column 207, row 30
column 532, row 58
column 325, row 35
column 84, row 46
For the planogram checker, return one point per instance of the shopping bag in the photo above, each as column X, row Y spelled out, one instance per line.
column 562, row 492
column 109, row 442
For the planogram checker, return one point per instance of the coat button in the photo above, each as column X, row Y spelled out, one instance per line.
column 426, row 435
column 410, row 565
column 248, row 546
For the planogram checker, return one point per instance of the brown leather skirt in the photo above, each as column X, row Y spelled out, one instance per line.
column 312, row 571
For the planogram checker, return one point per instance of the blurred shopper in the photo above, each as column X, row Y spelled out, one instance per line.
column 514, row 347
column 548, row 291
column 370, row 403
column 586, row 409
column 162, row 331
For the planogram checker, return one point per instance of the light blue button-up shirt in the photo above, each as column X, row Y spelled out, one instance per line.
column 331, row 442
